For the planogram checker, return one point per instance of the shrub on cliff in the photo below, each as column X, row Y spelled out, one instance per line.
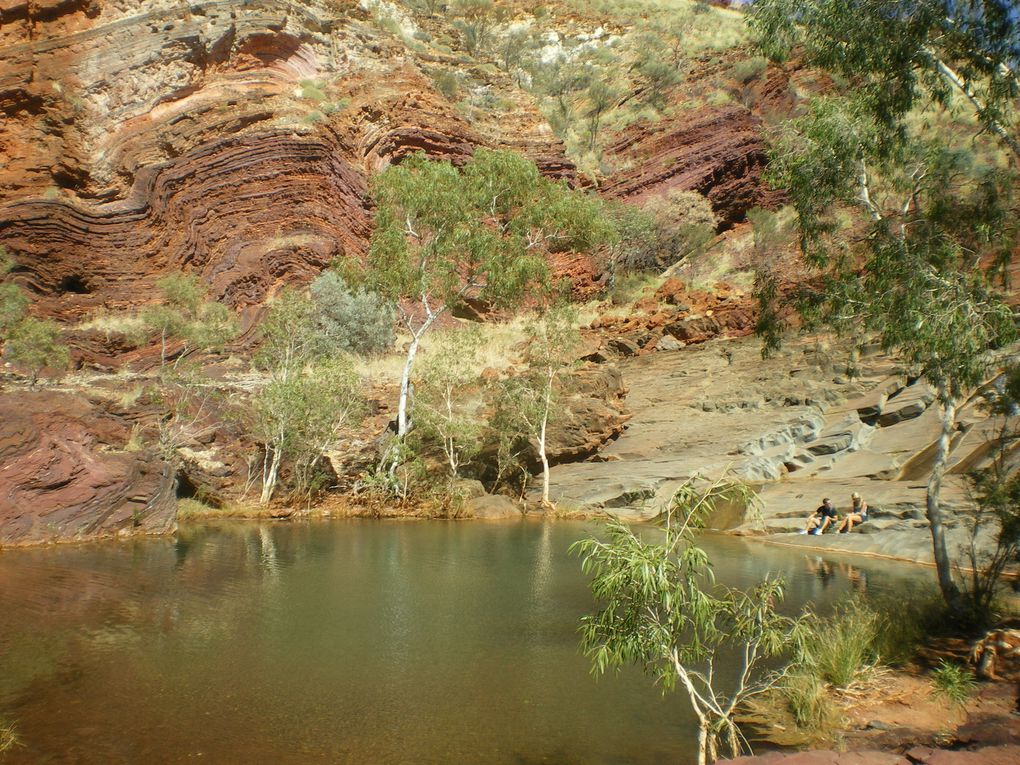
column 184, row 314
column 352, row 320
column 34, row 345
column 669, row 228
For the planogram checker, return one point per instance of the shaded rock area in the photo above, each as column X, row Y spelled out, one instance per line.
column 67, row 473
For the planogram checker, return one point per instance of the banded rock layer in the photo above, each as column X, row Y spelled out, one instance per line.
column 228, row 139
column 68, row 473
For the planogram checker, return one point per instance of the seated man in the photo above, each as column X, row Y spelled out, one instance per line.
column 823, row 516
column 858, row 514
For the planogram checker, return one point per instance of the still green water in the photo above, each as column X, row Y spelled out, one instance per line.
column 343, row 642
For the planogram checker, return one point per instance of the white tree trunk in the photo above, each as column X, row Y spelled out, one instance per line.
column 270, row 477
column 405, row 386
column 541, row 440
column 943, row 564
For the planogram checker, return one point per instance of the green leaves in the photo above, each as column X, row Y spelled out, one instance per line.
column 184, row 314
column 442, row 233
column 660, row 608
column 900, row 55
column 35, row 345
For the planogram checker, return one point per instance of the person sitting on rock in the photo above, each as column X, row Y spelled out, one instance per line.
column 822, row 517
column 858, row 514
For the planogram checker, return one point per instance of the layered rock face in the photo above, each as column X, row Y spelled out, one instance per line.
column 67, row 473
column 228, row 139
column 718, row 152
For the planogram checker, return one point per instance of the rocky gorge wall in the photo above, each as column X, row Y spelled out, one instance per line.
column 152, row 137
column 235, row 140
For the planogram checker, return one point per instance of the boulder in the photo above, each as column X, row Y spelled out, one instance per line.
column 668, row 343
column 910, row 403
column 624, row 346
column 491, row 506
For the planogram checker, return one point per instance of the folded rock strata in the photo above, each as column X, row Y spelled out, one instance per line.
column 66, row 473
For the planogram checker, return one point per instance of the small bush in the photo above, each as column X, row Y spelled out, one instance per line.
column 809, row 701
column 352, row 320
column 447, row 83
column 312, row 91
column 34, row 345
column 748, row 70
column 13, row 304
column 841, row 649
column 952, row 682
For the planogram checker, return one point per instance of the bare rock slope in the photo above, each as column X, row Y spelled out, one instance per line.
column 793, row 426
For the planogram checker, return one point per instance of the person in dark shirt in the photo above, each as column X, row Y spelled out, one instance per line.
column 822, row 518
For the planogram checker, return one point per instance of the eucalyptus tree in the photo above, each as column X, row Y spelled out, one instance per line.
column 447, row 399
column 661, row 609
column 444, row 235
column 901, row 54
column 311, row 394
column 904, row 229
column 529, row 401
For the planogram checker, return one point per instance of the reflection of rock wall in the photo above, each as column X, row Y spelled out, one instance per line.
column 65, row 473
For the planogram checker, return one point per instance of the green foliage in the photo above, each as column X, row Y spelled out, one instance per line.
column 290, row 339
column 312, row 90
column 184, row 314
column 953, row 682
column 443, row 235
column 299, row 415
column 841, row 648
column 447, row 83
column 34, row 344
column 661, row 609
column 899, row 226
column 748, row 69
column 526, row 404
column 183, row 292
column 13, row 304
column 513, row 48
column 475, row 22
column 669, row 228
column 447, row 400
column 906, row 55
column 809, row 701
column 600, row 98
column 351, row 320
column 656, row 77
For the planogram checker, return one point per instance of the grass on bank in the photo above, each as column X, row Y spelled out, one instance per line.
column 953, row 682
column 8, row 735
